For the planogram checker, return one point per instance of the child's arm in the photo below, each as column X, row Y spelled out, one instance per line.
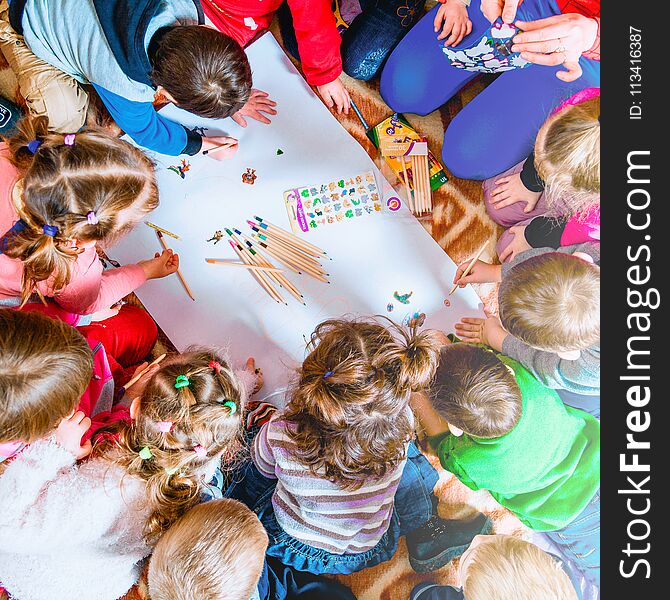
column 481, row 272
column 452, row 19
column 262, row 455
column 476, row 330
column 429, row 419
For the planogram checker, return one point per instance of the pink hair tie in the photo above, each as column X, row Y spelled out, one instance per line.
column 164, row 426
column 200, row 451
column 92, row 218
column 68, row 139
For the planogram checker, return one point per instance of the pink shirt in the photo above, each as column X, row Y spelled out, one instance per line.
column 90, row 288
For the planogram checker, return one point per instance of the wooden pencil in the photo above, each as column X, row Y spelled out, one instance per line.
column 469, row 267
column 405, row 179
column 291, row 251
column 227, row 263
column 289, row 262
column 263, row 234
column 269, row 250
column 304, row 265
column 165, row 231
column 137, row 377
column 293, row 239
column 164, row 245
column 429, row 190
column 256, row 275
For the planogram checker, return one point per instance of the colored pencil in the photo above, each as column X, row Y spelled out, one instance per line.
column 405, row 180
column 165, row 231
column 290, row 237
column 469, row 267
column 269, row 250
column 290, row 262
column 291, row 251
column 302, row 264
column 161, row 239
column 137, row 377
column 227, row 263
column 266, row 235
column 256, row 275
column 359, row 115
column 226, row 145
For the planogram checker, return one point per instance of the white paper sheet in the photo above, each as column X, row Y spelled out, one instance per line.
column 371, row 257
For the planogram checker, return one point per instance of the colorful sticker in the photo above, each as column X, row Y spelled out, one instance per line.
column 393, row 204
column 249, row 176
column 403, row 298
column 180, row 169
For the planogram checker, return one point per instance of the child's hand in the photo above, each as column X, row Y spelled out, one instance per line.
column 106, row 313
column 259, row 102
column 219, row 147
column 258, row 373
column 137, row 389
column 70, row 431
column 335, row 94
column 481, row 272
column 506, row 9
column 517, row 245
column 510, row 190
column 487, row 331
column 452, row 18
column 161, row 265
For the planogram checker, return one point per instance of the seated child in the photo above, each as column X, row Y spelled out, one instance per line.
column 496, row 428
column 317, row 38
column 549, row 302
column 60, row 196
column 216, row 551
column 142, row 476
column 128, row 51
column 553, row 198
column 327, row 468
column 500, row 567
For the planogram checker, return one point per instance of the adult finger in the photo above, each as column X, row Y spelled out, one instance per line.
column 549, row 60
column 574, row 71
column 539, row 24
column 509, row 10
column 546, row 47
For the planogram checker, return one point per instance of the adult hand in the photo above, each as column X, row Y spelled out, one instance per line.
column 481, row 272
column 510, row 190
column 452, row 18
column 334, row 94
column 219, row 147
column 70, row 431
column 161, row 265
column 506, row 9
column 517, row 244
column 557, row 40
column 259, row 102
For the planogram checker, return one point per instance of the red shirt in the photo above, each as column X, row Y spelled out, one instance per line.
column 313, row 21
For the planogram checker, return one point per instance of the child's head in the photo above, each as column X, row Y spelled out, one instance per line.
column 350, row 408
column 215, row 551
column 89, row 187
column 475, row 392
column 552, row 302
column 205, row 71
column 188, row 415
column 500, row 567
column 567, row 157
column 45, row 366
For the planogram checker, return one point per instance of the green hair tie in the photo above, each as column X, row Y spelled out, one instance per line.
column 181, row 381
column 231, row 406
column 145, row 453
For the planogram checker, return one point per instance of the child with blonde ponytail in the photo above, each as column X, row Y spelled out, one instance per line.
column 552, row 199
column 60, row 197
column 81, row 530
column 347, row 478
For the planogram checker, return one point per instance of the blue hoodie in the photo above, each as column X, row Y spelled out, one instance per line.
column 105, row 43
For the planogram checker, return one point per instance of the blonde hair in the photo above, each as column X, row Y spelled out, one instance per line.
column 215, row 551
column 45, row 367
column 567, row 157
column 349, row 415
column 62, row 185
column 506, row 567
column 205, row 418
column 552, row 302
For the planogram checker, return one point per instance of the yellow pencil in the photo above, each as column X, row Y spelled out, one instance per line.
column 469, row 267
column 179, row 273
column 137, row 377
column 165, row 231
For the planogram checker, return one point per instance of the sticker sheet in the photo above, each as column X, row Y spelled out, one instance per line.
column 313, row 207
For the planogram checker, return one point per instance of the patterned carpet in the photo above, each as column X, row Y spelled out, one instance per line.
column 460, row 225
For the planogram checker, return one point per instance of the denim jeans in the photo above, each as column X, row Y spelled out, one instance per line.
column 579, row 541
column 414, row 505
column 371, row 36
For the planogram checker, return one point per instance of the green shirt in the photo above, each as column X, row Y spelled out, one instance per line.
column 546, row 470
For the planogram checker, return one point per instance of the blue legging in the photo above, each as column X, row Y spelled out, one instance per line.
column 497, row 129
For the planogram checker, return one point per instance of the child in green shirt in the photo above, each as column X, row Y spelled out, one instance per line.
column 497, row 428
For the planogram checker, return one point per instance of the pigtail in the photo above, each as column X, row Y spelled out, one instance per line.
column 26, row 143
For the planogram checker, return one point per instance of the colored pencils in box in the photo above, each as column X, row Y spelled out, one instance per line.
column 161, row 239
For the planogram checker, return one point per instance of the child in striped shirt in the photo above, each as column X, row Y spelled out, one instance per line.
column 327, row 470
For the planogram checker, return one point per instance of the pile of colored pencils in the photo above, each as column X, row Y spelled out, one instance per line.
column 423, row 199
column 288, row 249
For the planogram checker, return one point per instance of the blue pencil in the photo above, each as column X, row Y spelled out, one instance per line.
column 359, row 115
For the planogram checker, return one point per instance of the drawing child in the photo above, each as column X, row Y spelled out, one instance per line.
column 141, row 477
column 497, row 428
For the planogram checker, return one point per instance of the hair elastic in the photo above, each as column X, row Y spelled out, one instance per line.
column 231, row 406
column 68, row 139
column 327, row 374
column 172, row 471
column 33, row 145
column 164, row 426
column 92, row 218
column 50, row 230
column 145, row 453
column 181, row 381
column 200, row 451
column 213, row 364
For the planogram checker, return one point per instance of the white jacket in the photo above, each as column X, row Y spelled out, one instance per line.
column 68, row 530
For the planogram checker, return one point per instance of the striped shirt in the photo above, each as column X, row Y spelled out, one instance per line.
column 316, row 511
